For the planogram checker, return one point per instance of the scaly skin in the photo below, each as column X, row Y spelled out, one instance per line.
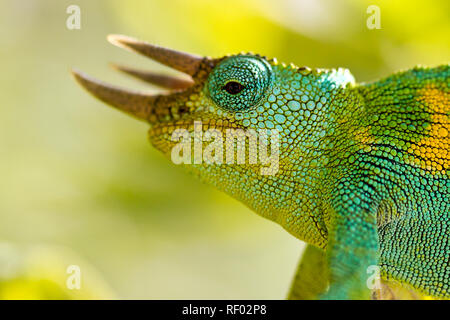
column 363, row 169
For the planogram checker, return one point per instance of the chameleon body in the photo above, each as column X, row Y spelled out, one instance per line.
column 363, row 168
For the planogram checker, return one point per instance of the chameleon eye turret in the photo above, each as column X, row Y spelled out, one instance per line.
column 239, row 82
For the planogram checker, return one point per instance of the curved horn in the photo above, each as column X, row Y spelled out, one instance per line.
column 136, row 104
column 184, row 62
column 164, row 81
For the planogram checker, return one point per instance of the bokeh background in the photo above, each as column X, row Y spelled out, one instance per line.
column 80, row 185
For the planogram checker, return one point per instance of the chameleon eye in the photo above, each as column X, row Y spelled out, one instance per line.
column 239, row 82
column 233, row 87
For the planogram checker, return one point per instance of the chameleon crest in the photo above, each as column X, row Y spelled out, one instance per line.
column 361, row 173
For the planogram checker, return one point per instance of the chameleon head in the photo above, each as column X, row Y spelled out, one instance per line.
column 217, row 92
column 279, row 108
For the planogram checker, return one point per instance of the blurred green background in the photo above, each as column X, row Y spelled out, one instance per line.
column 80, row 184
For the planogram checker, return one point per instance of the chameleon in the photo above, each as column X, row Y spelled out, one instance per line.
column 363, row 167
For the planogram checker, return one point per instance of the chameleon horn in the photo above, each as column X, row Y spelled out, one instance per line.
column 184, row 62
column 164, row 81
column 134, row 103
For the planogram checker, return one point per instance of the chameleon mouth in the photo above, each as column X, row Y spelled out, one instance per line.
column 141, row 105
column 167, row 128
